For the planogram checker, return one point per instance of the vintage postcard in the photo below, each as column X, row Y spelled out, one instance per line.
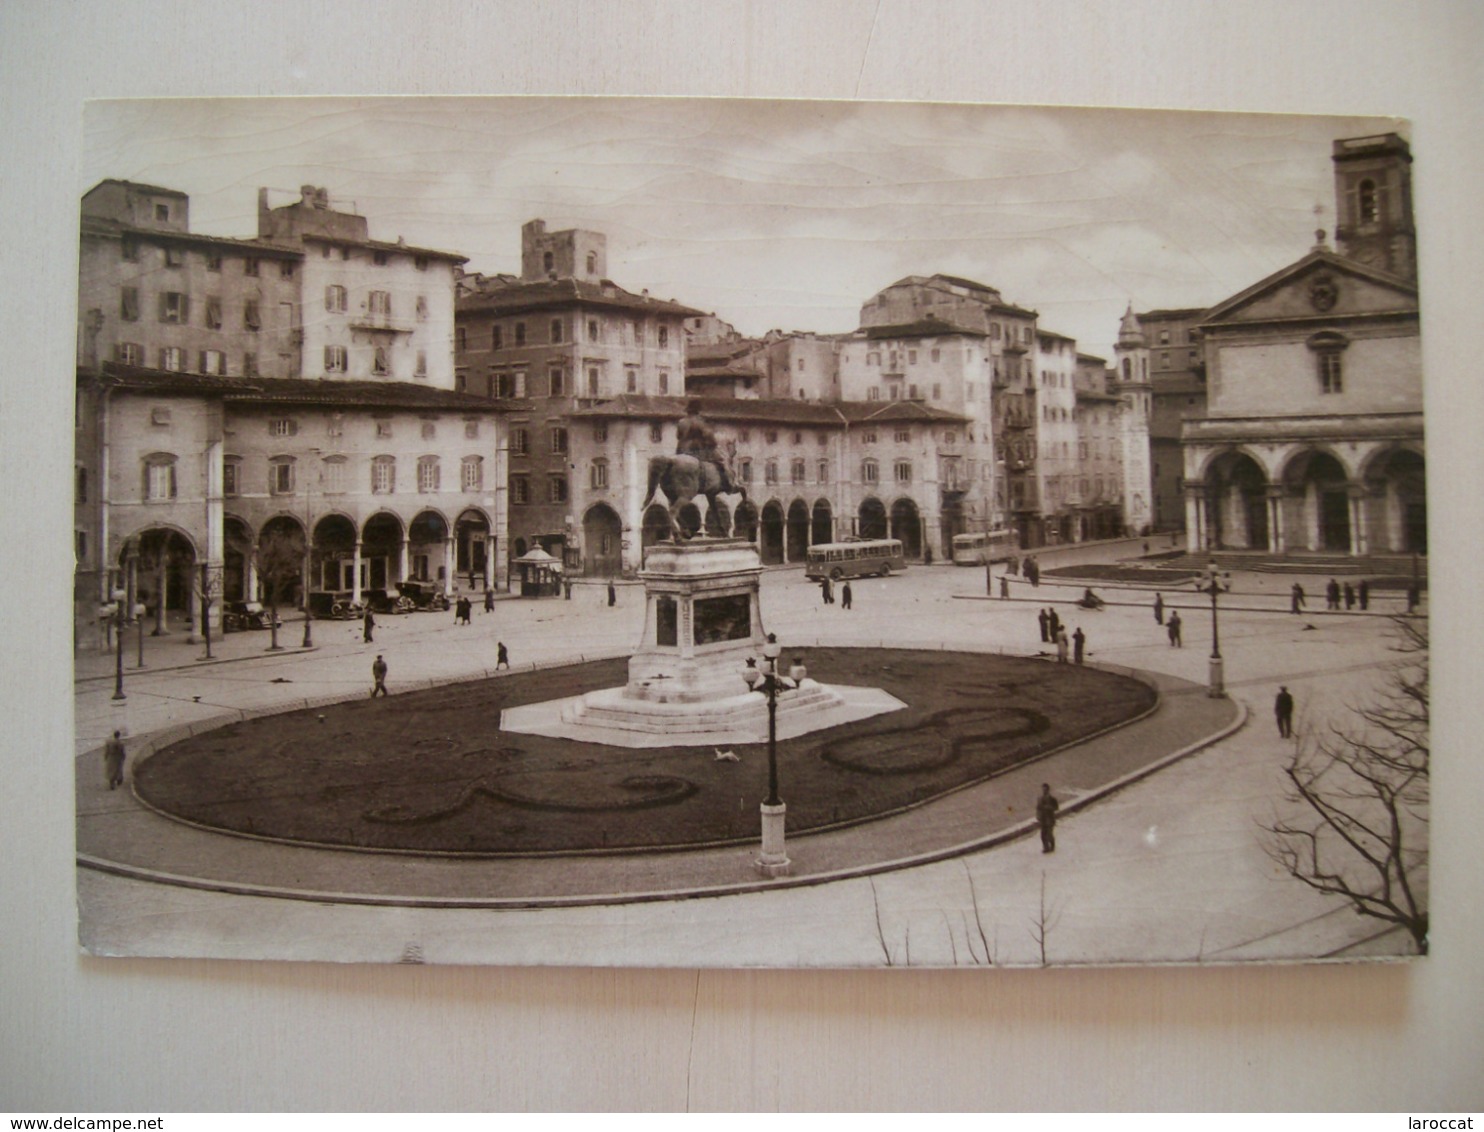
column 683, row 532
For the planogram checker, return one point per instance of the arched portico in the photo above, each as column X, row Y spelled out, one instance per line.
column 906, row 527
column 384, row 552
column 872, row 519
column 602, row 541
column 771, row 532
column 474, row 549
column 822, row 523
column 1320, row 518
column 797, row 546
column 745, row 522
column 1238, row 504
column 280, row 561
column 430, row 548
column 158, row 568
column 1393, row 502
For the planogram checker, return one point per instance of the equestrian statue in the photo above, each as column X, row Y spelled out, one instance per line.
column 697, row 468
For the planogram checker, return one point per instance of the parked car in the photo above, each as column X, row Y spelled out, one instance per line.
column 240, row 615
column 426, row 596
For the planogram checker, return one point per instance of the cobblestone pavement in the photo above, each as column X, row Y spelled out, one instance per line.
column 1168, row 869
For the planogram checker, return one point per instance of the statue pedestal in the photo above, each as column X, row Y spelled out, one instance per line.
column 701, row 625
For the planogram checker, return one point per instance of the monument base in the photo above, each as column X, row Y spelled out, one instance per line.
column 773, row 860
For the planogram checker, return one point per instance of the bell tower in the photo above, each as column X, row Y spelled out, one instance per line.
column 1373, row 197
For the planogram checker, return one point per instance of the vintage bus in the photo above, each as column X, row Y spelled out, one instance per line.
column 986, row 546
column 854, row 559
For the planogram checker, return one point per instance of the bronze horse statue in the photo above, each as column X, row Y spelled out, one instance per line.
column 682, row 478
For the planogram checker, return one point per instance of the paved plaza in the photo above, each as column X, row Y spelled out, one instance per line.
column 1158, row 859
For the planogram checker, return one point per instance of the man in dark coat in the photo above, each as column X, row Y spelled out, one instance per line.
column 612, row 596
column 1332, row 595
column 367, row 626
column 1364, row 594
column 1046, row 807
column 1174, row 630
column 1283, row 711
column 378, row 673
column 489, row 598
column 113, row 760
column 1297, row 594
column 1159, row 609
column 1079, row 641
column 502, row 657
column 1055, row 622
column 1045, row 621
column 845, row 596
column 1349, row 596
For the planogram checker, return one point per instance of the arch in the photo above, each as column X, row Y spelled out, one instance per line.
column 602, row 541
column 518, row 549
column 796, row 544
column 474, row 548
column 822, row 522
column 872, row 518
column 1316, row 480
column 656, row 526
column 164, row 560
column 237, row 544
column 280, row 560
column 906, row 526
column 1395, row 500
column 332, row 551
column 745, row 521
column 770, row 543
column 1237, row 494
column 427, row 546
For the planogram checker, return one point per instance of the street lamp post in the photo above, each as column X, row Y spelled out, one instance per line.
column 308, row 554
column 1216, row 584
column 773, row 860
column 120, row 598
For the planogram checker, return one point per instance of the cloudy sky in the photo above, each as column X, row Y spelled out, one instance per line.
column 777, row 214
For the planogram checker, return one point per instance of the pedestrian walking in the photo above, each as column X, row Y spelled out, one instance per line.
column 1033, row 569
column 1283, row 710
column 1046, row 807
column 502, row 657
column 1061, row 646
column 1349, row 596
column 567, row 589
column 1079, row 640
column 367, row 625
column 1363, row 593
column 113, row 760
column 826, row 592
column 845, row 596
column 489, row 601
column 1055, row 622
column 1332, row 595
column 612, row 595
column 1004, row 587
column 1297, row 596
column 1045, row 619
column 1159, row 609
column 1174, row 630
column 378, row 674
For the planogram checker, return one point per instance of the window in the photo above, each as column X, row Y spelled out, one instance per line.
column 903, row 470
column 664, row 382
column 592, row 330
column 744, row 435
column 631, row 380
column 870, row 436
column 213, row 313
column 870, row 472
column 427, row 473
column 335, row 297
column 797, row 471
column 994, row 331
column 771, row 436
column 379, row 303
column 250, row 266
column 559, row 441
column 744, row 469
column 556, row 381
column 594, row 382
column 902, row 435
column 129, row 304
column 600, row 434
column 519, row 441
column 420, row 262
column 548, row 262
column 283, row 426
column 656, row 433
column 130, row 353
column 80, row 486
column 1331, row 375
column 335, row 425
column 950, row 437
column 471, row 473
column 936, row 354
column 520, row 489
column 422, row 364
column 497, row 338
column 379, row 258
column 556, row 489
column 159, row 477
column 556, row 330
column 174, row 257
column 172, row 358
column 638, row 333
column 822, row 471
column 332, row 475
column 231, row 475
column 1369, row 209
column 770, row 471
column 664, row 337
column 380, row 364
column 383, row 475
column 520, row 334
column 460, row 338
column 286, row 269
column 798, row 437
column 252, row 318
column 471, row 430
column 175, row 307
column 214, row 362
column 335, row 359
column 429, row 430
column 384, row 429
column 598, row 473
column 592, row 263
column 281, row 475
column 911, row 358
column 129, row 249
column 421, row 308
column 937, row 392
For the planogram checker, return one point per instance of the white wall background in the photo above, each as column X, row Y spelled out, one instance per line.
column 80, row 1034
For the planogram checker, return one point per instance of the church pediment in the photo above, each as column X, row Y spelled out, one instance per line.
column 1321, row 285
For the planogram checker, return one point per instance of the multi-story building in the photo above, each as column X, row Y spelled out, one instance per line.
column 561, row 337
column 1177, row 378
column 199, row 437
column 1312, row 438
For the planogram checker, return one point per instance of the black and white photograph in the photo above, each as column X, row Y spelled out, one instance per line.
column 704, row 532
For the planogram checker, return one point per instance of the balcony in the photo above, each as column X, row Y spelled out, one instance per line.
column 379, row 324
